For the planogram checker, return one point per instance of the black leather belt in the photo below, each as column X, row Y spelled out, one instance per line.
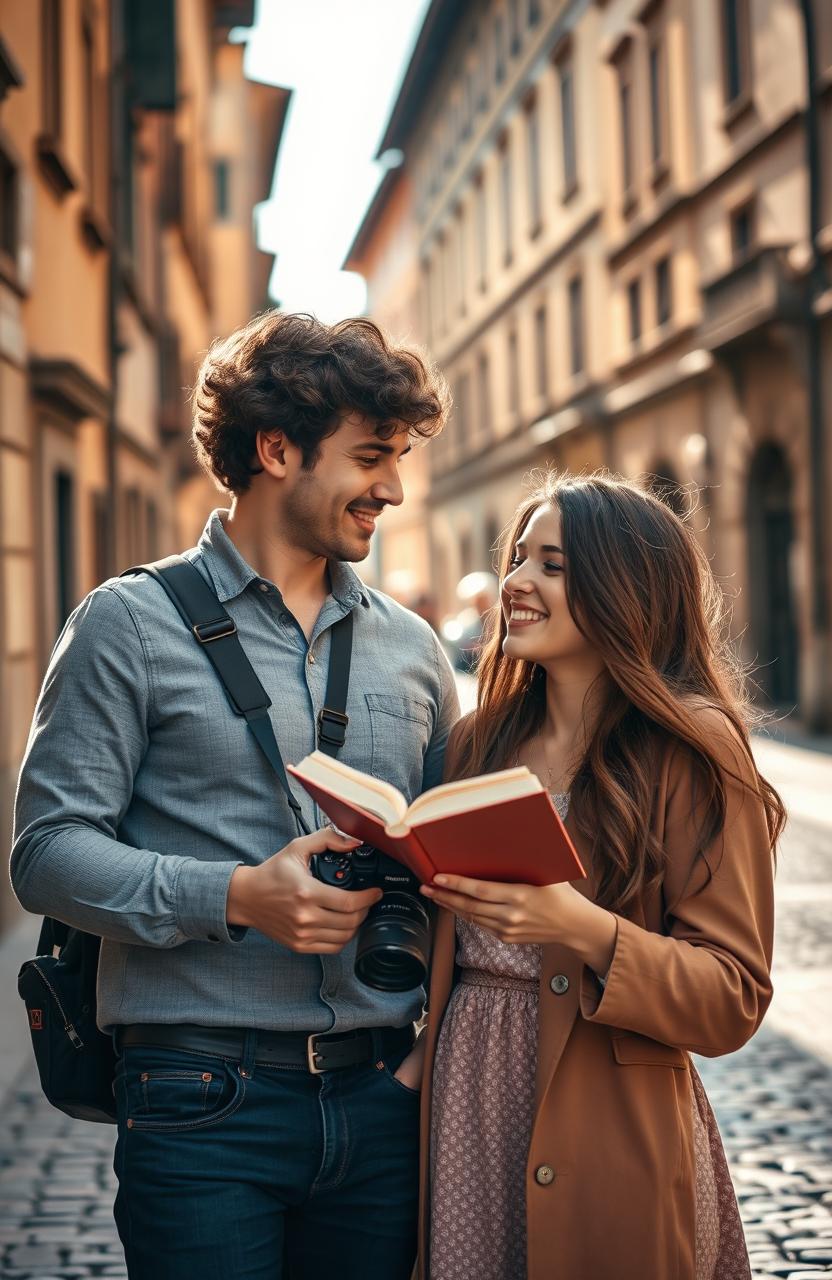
column 325, row 1051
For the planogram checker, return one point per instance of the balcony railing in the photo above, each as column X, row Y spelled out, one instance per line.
column 758, row 291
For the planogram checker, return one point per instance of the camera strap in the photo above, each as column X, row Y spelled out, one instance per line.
column 216, row 632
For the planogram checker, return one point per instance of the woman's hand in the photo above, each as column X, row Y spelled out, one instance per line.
column 531, row 913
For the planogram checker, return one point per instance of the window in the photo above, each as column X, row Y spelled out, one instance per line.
column 64, row 547
column 658, row 105
column 513, row 374
column 634, row 308
column 743, row 231
column 576, row 325
column 514, row 25
column 533, row 141
column 438, row 275
column 499, row 49
column 88, row 55
column 625, row 111
column 462, row 274
column 567, row 128
column 482, row 233
column 462, row 410
column 534, row 12
column 736, row 45
column 468, row 94
column 51, row 68
column 8, row 208
column 133, row 525
column 541, row 351
column 484, row 393
column 505, row 201
column 466, row 553
column 664, row 302
column 100, row 537
column 151, row 520
column 222, row 194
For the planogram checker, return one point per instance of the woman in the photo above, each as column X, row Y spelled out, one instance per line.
column 566, row 1133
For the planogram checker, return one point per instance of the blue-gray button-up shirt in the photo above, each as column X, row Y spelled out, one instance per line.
column 141, row 791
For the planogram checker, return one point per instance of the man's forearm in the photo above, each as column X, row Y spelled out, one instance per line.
column 94, row 882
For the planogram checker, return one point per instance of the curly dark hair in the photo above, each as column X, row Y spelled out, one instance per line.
column 293, row 373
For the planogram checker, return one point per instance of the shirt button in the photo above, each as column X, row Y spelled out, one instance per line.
column 559, row 984
column 264, row 586
column 544, row 1174
column 310, row 657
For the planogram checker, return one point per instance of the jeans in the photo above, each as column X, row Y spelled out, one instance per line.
column 240, row 1171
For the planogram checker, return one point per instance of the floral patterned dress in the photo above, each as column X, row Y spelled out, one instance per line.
column 482, row 1115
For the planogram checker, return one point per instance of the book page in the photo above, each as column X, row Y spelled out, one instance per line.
column 369, row 793
column 473, row 793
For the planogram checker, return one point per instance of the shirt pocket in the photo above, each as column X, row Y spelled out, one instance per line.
column 400, row 728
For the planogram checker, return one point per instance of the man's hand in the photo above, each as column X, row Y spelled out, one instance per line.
column 283, row 901
column 410, row 1070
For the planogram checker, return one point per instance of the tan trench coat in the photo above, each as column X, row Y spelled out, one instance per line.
column 610, row 1178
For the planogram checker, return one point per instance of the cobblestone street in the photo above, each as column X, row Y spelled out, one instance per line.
column 773, row 1098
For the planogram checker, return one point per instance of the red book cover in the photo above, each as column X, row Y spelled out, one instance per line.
column 521, row 840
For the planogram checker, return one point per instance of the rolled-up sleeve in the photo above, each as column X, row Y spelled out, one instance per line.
column 705, row 984
column 88, row 738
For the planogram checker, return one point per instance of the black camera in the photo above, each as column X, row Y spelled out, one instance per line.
column 394, row 940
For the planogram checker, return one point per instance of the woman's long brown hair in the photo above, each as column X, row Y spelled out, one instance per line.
column 640, row 588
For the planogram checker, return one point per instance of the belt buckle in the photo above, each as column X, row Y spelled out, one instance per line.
column 312, row 1054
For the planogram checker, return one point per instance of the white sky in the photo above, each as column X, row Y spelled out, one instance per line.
column 344, row 59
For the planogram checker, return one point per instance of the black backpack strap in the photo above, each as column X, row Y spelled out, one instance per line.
column 215, row 630
column 333, row 719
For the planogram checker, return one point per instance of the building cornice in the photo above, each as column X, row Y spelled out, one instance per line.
column 430, row 49
column 371, row 218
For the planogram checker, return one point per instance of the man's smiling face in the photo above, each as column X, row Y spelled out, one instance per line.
column 331, row 509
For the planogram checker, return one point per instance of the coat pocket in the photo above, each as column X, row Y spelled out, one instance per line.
column 631, row 1049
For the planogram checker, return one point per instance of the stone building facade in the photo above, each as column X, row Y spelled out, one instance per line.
column 110, row 253
column 623, row 223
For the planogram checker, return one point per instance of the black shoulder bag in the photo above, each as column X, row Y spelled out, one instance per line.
column 76, row 1061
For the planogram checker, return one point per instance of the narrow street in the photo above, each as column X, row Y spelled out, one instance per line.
column 773, row 1098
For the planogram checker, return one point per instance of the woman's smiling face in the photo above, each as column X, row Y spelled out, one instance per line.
column 540, row 627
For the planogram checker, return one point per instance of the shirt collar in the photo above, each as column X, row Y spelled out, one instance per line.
column 231, row 573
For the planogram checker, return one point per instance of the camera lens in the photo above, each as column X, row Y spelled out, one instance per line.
column 393, row 944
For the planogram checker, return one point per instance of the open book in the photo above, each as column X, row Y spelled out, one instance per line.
column 500, row 826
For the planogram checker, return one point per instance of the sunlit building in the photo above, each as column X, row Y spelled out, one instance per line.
column 118, row 264
column 623, row 224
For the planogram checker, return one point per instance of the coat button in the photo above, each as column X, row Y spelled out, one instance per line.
column 310, row 657
column 544, row 1174
column 559, row 984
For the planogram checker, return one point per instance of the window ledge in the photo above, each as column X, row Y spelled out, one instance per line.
column 54, row 165
column 95, row 230
column 659, row 174
column 10, row 276
column 629, row 204
column 737, row 110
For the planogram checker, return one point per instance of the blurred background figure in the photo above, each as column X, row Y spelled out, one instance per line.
column 464, row 633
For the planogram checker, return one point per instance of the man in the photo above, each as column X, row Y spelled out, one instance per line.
column 147, row 814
